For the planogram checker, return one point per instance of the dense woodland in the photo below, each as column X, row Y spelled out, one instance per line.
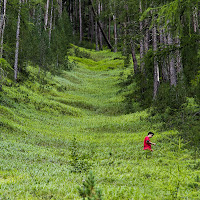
column 160, row 39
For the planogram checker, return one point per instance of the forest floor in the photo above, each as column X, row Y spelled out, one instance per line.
column 55, row 131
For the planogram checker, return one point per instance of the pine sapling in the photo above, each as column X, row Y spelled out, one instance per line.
column 88, row 190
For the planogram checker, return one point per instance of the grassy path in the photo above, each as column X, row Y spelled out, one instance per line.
column 52, row 135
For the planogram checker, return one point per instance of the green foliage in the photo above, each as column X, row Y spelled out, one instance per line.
column 79, row 161
column 36, row 46
column 170, row 98
column 88, row 190
column 196, row 87
column 45, row 153
column 81, row 54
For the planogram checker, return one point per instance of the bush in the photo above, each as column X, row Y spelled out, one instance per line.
column 88, row 190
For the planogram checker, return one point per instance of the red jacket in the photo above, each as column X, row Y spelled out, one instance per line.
column 147, row 145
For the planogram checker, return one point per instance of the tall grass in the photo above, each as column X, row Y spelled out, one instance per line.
column 52, row 135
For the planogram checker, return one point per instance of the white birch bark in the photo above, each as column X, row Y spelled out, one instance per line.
column 195, row 20
column 46, row 15
column 99, row 30
column 115, row 32
column 3, row 28
column 70, row 11
column 17, row 42
column 1, row 17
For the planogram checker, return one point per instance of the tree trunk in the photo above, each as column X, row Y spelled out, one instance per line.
column 134, row 57
column 46, row 15
column 96, row 36
column 71, row 11
column 60, row 7
column 156, row 68
column 1, row 17
column 92, row 26
column 99, row 30
column 17, row 42
column 164, row 66
column 115, row 33
column 80, row 22
column 50, row 24
column 104, row 35
column 146, row 36
column 141, row 42
column 109, row 24
column 179, row 65
column 195, row 20
column 172, row 70
column 3, row 28
column 75, row 16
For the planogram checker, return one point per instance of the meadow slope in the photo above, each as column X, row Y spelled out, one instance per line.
column 54, row 131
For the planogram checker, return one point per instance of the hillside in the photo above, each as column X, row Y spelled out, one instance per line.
column 54, row 129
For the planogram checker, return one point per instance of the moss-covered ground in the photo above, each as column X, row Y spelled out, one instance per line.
column 55, row 130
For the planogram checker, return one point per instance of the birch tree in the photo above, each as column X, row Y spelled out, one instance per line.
column 46, row 15
column 17, row 42
column 2, row 26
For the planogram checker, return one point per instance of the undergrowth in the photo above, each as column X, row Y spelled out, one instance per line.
column 55, row 129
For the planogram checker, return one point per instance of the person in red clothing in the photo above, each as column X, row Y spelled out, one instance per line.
column 147, row 142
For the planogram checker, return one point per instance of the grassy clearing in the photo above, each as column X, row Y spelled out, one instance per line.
column 53, row 134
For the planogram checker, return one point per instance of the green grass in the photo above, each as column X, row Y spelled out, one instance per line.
column 52, row 135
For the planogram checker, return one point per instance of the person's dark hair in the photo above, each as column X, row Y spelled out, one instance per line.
column 150, row 133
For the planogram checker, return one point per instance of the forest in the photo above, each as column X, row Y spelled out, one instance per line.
column 82, row 82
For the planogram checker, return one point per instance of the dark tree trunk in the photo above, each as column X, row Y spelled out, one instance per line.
column 92, row 26
column 80, row 22
column 134, row 57
column 104, row 35
column 141, row 42
column 163, row 61
column 172, row 70
column 96, row 36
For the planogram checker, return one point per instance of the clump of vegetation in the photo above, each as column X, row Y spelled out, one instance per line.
column 81, row 54
column 89, row 190
column 78, row 161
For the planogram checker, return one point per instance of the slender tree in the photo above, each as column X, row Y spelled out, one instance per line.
column 156, row 68
column 46, row 15
column 80, row 21
column 2, row 26
column 17, row 42
column 141, row 41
